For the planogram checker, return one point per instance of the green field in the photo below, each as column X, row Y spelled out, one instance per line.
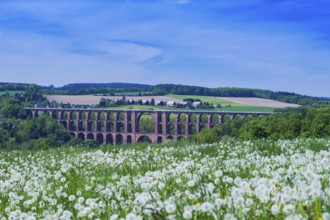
column 245, row 108
column 209, row 99
column 226, row 105
column 229, row 180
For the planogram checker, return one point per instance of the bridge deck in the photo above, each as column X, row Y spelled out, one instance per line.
column 138, row 110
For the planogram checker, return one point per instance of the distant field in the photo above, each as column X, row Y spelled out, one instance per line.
column 259, row 102
column 228, row 104
column 213, row 100
column 238, row 101
column 93, row 100
column 246, row 109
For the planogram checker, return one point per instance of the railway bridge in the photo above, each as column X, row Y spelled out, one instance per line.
column 131, row 126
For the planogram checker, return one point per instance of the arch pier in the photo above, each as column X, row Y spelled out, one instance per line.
column 131, row 126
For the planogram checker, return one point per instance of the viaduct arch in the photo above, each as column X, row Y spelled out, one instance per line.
column 123, row 126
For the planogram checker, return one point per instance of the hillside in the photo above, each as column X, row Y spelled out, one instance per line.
column 134, row 89
column 115, row 85
column 216, row 103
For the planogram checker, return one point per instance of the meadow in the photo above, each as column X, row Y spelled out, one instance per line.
column 285, row 179
column 225, row 104
column 210, row 99
column 243, row 104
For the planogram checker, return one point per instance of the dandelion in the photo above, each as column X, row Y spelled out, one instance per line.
column 207, row 207
column 131, row 216
column 178, row 181
column 114, row 217
column 222, row 185
column 30, row 217
column 67, row 214
column 81, row 199
column 161, row 185
column 41, row 204
column 82, row 213
column 187, row 215
column 72, row 198
column 294, row 217
column 326, row 216
column 171, row 217
column 191, row 183
column 249, row 202
column 288, row 209
column 237, row 181
column 275, row 209
column 229, row 216
column 218, row 173
column 170, row 208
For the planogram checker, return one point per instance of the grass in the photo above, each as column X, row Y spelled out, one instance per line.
column 226, row 105
column 246, row 109
column 209, row 99
column 259, row 179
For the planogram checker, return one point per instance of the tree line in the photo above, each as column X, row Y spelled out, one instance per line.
column 18, row 130
column 286, row 124
column 164, row 89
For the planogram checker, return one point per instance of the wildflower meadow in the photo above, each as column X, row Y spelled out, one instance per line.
column 285, row 179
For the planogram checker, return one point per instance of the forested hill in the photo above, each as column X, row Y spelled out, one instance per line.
column 115, row 85
column 164, row 89
column 12, row 86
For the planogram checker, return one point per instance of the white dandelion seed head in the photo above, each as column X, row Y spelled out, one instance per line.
column 170, row 208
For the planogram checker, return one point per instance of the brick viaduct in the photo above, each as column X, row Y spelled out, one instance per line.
column 125, row 126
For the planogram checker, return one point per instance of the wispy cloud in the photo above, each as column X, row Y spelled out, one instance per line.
column 183, row 1
column 280, row 45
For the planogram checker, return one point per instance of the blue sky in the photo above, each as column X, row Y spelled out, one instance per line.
column 281, row 45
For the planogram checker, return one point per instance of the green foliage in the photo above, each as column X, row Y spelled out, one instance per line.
column 17, row 131
column 99, row 88
column 208, row 135
column 146, row 124
column 90, row 143
column 11, row 108
column 286, row 125
column 74, row 142
column 44, row 128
